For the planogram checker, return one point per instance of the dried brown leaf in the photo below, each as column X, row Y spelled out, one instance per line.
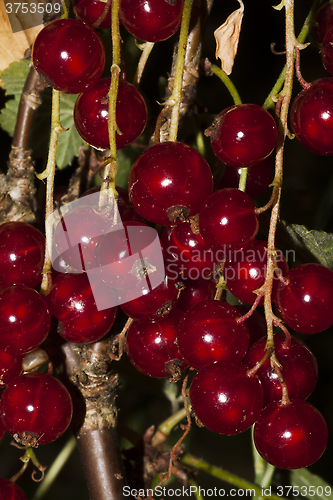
column 14, row 45
column 227, row 36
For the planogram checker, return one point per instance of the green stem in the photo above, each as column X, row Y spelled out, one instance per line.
column 227, row 82
column 269, row 103
column 146, row 48
column 242, row 179
column 229, row 478
column 175, row 98
column 55, row 468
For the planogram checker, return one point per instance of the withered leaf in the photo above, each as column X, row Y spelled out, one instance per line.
column 227, row 36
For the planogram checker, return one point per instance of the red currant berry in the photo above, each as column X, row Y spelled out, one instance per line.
column 304, row 304
column 94, row 12
column 246, row 272
column 153, row 305
column 243, row 135
column 323, row 21
column 10, row 491
column 36, row 408
column 151, row 20
column 209, row 332
column 69, row 54
column 327, row 51
column 169, row 182
column 292, row 435
column 24, row 319
column 72, row 302
column 186, row 253
column 225, row 398
column 151, row 346
column 311, row 117
column 91, row 113
column 195, row 291
column 130, row 256
column 299, row 368
column 228, row 218
column 259, row 177
column 10, row 367
column 22, row 249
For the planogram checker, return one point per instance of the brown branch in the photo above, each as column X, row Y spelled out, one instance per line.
column 200, row 13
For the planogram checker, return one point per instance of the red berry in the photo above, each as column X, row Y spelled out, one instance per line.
column 246, row 271
column 169, row 182
column 10, row 367
column 37, row 408
column 195, row 291
column 209, row 332
column 24, row 319
column 259, row 177
column 243, row 135
column 72, row 302
column 22, row 249
column 151, row 20
column 154, row 304
column 186, row 253
column 94, row 12
column 292, row 435
column 304, row 304
column 151, row 346
column 225, row 399
column 311, row 117
column 299, row 368
column 130, row 256
column 69, row 54
column 91, row 113
column 10, row 491
column 323, row 21
column 228, row 218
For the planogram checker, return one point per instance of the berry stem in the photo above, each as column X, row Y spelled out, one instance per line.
column 175, row 98
column 227, row 82
column 48, row 174
column 146, row 48
column 213, row 470
column 165, row 428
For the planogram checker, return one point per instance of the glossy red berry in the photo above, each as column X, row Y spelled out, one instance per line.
column 72, row 302
column 228, row 218
column 292, row 435
column 94, row 12
column 195, row 291
column 304, row 304
column 151, row 346
column 169, row 182
column 259, row 177
column 22, row 249
column 209, row 332
column 187, row 254
column 246, row 271
column 323, row 21
column 311, row 117
column 91, row 113
column 153, row 305
column 36, row 408
column 69, row 54
column 299, row 368
column 10, row 367
column 151, row 20
column 10, row 491
column 225, row 399
column 243, row 135
column 24, row 319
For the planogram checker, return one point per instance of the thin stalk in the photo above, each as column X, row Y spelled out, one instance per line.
column 227, row 82
column 226, row 476
column 175, row 98
column 48, row 174
column 146, row 48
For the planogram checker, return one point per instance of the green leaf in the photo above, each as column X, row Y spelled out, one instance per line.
column 12, row 80
column 315, row 487
column 319, row 243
